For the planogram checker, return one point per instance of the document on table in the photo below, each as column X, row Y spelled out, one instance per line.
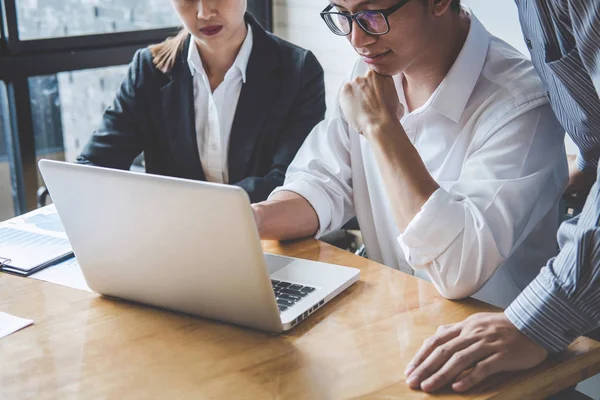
column 33, row 241
column 67, row 273
column 10, row 324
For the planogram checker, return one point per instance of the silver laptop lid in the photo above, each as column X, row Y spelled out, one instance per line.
column 183, row 245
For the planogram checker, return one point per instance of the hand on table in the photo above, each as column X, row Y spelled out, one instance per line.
column 486, row 342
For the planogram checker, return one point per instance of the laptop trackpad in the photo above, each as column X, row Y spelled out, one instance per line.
column 275, row 263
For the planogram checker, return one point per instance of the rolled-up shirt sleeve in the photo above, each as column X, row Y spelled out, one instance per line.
column 508, row 184
column 321, row 173
column 424, row 240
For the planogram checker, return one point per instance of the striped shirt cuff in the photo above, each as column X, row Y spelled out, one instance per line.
column 544, row 315
column 589, row 164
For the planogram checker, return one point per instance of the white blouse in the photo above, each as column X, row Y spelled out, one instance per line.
column 215, row 111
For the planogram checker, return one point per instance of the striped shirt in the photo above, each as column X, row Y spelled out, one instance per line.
column 563, row 302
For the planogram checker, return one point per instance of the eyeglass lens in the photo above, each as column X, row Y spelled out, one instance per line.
column 371, row 22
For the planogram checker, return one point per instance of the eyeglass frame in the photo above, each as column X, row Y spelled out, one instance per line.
column 353, row 17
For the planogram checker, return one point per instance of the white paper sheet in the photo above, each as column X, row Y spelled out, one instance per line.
column 10, row 324
column 33, row 239
column 67, row 273
column 44, row 221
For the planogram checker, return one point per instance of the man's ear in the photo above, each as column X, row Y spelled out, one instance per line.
column 439, row 7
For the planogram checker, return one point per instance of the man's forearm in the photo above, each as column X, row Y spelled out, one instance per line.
column 406, row 179
column 286, row 215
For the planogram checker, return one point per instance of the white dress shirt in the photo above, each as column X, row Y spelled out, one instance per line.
column 214, row 111
column 489, row 138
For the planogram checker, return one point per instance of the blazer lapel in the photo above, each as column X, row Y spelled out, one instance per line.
column 177, row 98
column 255, row 102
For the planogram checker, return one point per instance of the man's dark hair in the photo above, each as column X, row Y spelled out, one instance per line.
column 455, row 6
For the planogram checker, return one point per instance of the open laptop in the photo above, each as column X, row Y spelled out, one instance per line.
column 184, row 245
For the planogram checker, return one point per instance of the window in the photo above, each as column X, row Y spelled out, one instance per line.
column 59, row 18
column 7, row 208
column 45, row 109
column 68, row 107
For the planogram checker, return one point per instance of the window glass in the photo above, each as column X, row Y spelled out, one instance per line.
column 68, row 107
column 7, row 190
column 58, row 18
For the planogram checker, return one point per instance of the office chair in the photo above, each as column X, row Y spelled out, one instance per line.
column 42, row 196
column 571, row 205
column 346, row 238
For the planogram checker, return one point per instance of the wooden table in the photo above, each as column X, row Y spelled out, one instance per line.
column 83, row 346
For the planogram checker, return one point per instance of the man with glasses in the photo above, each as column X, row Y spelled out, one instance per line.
column 443, row 146
column 563, row 302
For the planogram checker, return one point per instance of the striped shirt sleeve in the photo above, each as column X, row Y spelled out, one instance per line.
column 563, row 302
column 585, row 20
column 585, row 17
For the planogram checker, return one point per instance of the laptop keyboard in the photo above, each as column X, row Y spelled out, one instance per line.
column 288, row 293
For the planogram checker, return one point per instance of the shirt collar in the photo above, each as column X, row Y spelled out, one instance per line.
column 452, row 95
column 455, row 90
column 240, row 63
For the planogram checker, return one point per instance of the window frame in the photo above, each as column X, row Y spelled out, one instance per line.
column 21, row 60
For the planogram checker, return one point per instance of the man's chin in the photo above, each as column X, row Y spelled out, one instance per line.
column 383, row 69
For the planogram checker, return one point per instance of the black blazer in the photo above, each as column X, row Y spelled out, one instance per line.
column 282, row 100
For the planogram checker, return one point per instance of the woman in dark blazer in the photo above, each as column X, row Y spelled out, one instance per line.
column 270, row 106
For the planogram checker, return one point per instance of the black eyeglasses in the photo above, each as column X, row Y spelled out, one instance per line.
column 373, row 22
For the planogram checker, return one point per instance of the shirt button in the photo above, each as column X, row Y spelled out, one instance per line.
column 528, row 42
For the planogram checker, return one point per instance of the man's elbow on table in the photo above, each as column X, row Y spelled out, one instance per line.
column 455, row 286
column 457, row 291
column 458, row 269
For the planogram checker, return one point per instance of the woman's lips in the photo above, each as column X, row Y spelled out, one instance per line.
column 211, row 30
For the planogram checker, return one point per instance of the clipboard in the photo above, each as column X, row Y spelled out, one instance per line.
column 33, row 241
column 4, row 261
